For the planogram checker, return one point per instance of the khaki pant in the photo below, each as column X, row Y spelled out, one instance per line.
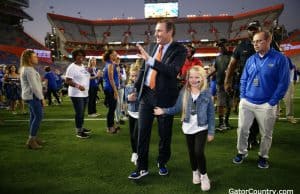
column 265, row 115
column 289, row 101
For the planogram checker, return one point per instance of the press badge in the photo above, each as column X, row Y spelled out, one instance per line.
column 256, row 81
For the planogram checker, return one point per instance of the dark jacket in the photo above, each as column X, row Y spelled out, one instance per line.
column 166, row 90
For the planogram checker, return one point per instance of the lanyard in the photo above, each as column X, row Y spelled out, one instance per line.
column 259, row 65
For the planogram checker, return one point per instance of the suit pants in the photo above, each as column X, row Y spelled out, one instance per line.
column 146, row 117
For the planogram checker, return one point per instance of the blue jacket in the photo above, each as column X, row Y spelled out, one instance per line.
column 133, row 106
column 273, row 75
column 204, row 106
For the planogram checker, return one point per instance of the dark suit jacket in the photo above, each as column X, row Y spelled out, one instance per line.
column 166, row 90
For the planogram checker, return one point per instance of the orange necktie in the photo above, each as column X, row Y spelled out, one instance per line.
column 154, row 72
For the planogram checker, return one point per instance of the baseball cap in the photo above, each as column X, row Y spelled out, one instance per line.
column 254, row 25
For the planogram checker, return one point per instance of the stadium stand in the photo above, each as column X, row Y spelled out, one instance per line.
column 13, row 39
column 122, row 34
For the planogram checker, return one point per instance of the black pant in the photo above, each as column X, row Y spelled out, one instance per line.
column 79, row 104
column 111, row 102
column 196, row 144
column 54, row 92
column 133, row 129
column 145, row 122
column 254, row 131
column 92, row 100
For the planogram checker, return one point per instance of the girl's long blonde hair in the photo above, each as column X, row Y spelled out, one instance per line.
column 187, row 87
column 135, row 67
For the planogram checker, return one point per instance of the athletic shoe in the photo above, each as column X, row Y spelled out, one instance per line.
column 221, row 128
column 82, row 135
column 196, row 177
column 262, row 162
column 111, row 130
column 205, row 182
column 239, row 158
column 87, row 131
column 227, row 126
column 162, row 170
column 93, row 115
column 138, row 174
column 291, row 119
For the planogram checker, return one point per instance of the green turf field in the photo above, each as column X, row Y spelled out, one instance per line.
column 101, row 164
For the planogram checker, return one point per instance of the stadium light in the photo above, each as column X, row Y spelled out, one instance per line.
column 114, row 43
column 137, row 42
column 204, row 40
column 206, row 54
column 120, row 56
column 191, row 16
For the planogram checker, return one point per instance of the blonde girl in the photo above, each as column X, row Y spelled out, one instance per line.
column 198, row 121
column 131, row 98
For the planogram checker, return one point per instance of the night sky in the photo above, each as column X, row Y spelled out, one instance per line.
column 106, row 9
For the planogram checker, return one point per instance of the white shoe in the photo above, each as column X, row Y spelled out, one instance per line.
column 291, row 119
column 93, row 115
column 205, row 182
column 134, row 158
column 196, row 177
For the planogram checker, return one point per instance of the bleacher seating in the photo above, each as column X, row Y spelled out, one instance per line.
column 15, row 36
column 9, row 58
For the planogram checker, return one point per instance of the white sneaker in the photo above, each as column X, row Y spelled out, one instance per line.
column 134, row 158
column 196, row 177
column 205, row 182
column 93, row 115
column 291, row 119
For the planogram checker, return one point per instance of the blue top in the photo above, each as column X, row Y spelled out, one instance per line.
column 106, row 83
column 204, row 107
column 93, row 82
column 265, row 79
column 50, row 76
column 133, row 106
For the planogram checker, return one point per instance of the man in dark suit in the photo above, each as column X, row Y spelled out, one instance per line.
column 157, row 86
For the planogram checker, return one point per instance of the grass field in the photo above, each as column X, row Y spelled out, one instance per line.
column 101, row 164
